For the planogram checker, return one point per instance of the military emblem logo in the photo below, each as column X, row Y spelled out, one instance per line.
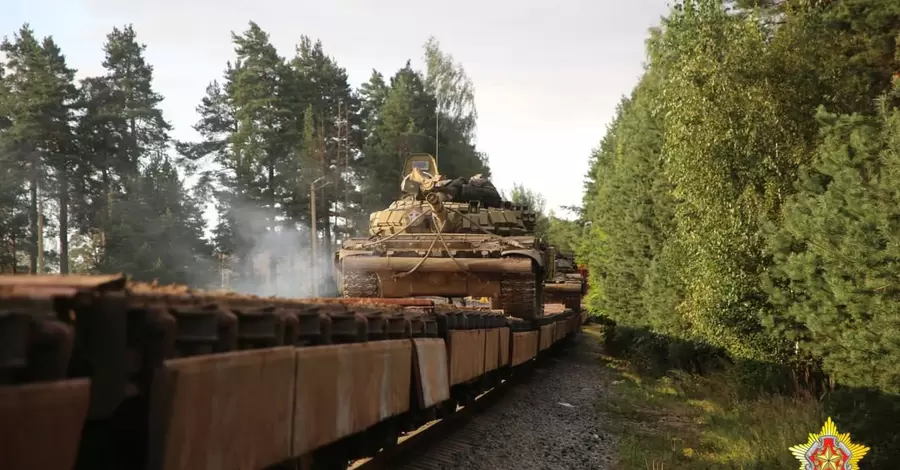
column 829, row 450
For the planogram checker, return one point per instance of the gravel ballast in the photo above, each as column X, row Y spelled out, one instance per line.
column 548, row 422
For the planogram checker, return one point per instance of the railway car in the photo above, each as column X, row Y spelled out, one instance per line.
column 100, row 373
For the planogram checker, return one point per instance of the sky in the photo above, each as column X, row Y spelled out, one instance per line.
column 547, row 75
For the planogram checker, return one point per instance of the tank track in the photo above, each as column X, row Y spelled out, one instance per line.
column 360, row 284
column 520, row 295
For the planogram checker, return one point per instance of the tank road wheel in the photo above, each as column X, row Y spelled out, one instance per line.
column 520, row 296
column 360, row 284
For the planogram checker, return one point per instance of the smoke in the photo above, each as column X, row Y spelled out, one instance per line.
column 274, row 257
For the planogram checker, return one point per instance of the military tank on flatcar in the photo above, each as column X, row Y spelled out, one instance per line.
column 458, row 236
column 565, row 283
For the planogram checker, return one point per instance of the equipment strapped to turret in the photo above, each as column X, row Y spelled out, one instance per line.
column 421, row 177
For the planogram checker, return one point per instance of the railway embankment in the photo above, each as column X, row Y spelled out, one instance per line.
column 548, row 422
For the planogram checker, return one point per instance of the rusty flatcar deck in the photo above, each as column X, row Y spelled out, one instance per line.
column 130, row 375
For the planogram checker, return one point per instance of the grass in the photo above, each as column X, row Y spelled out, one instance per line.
column 684, row 421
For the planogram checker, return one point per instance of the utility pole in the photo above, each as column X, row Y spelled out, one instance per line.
column 437, row 124
column 346, row 121
column 313, row 235
column 342, row 159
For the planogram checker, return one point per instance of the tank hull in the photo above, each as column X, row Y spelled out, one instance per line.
column 506, row 269
column 563, row 287
column 567, row 289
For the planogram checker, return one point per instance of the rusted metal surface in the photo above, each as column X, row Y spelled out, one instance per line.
column 345, row 389
column 40, row 424
column 563, row 287
column 504, row 347
column 491, row 349
column 180, row 378
column 431, row 373
column 547, row 335
column 100, row 282
column 402, row 302
column 525, row 346
column 226, row 411
column 474, row 265
column 553, row 308
column 466, row 354
column 452, row 284
column 35, row 345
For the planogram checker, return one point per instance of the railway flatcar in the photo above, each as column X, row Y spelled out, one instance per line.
column 100, row 373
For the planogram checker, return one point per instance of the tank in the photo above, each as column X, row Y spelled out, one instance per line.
column 447, row 238
column 565, row 283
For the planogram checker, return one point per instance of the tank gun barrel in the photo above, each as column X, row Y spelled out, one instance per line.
column 437, row 208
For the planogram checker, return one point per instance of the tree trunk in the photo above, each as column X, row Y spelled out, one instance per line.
column 33, row 217
column 40, row 232
column 63, row 222
column 273, row 261
column 105, row 217
column 327, row 203
column 15, row 258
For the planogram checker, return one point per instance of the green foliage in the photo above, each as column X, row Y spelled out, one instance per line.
column 837, row 253
column 707, row 146
column 720, row 209
column 679, row 407
column 564, row 234
column 630, row 208
column 403, row 117
column 170, row 248
column 519, row 194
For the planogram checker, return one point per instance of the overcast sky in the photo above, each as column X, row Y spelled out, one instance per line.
column 548, row 75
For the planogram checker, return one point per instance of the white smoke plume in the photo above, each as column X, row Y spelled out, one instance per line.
column 276, row 260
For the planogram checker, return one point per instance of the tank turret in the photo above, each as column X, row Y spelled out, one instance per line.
column 565, row 283
column 449, row 238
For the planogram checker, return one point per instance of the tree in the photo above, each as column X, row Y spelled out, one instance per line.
column 836, row 254
column 62, row 148
column 158, row 230
column 141, row 124
column 401, row 130
column 519, row 194
column 452, row 88
column 432, row 112
column 564, row 234
column 37, row 95
column 326, row 97
column 134, row 212
column 455, row 114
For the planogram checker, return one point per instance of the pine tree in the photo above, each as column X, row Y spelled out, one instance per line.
column 62, row 148
column 143, row 129
column 335, row 109
column 13, row 196
column 37, row 96
column 399, row 132
column 836, row 256
column 159, row 234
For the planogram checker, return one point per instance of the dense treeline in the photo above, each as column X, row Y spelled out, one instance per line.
column 745, row 197
column 92, row 181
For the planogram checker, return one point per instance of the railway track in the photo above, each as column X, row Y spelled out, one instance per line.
column 413, row 452
column 119, row 375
